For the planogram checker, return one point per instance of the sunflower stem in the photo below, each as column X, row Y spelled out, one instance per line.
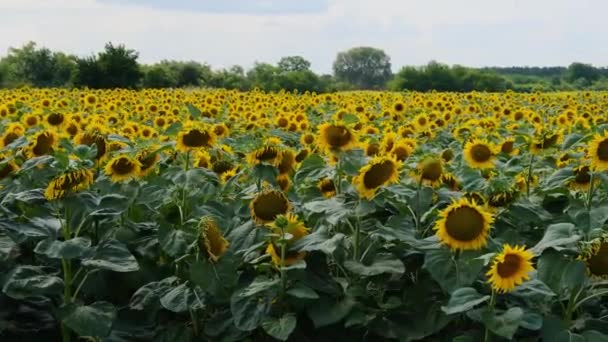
column 357, row 237
column 194, row 322
column 283, row 250
column 590, row 192
column 187, row 163
column 529, row 178
column 487, row 336
column 67, row 272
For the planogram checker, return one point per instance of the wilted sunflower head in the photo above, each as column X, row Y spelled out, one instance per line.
column 378, row 172
column 267, row 205
column 510, row 268
column 336, row 137
column 464, row 225
column 122, row 168
column 598, row 152
column 195, row 137
column 595, row 255
column 211, row 241
column 42, row 144
column 582, row 178
column 69, row 182
column 430, row 171
column 479, row 154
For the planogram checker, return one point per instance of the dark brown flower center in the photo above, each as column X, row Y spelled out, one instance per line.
column 337, row 136
column 510, row 266
column 196, row 138
column 582, row 176
column 602, row 150
column 464, row 224
column 123, row 166
column 267, row 206
column 378, row 174
column 432, row 171
column 481, row 153
column 598, row 263
column 507, row 147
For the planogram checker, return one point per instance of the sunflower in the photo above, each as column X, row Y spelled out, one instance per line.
column 194, row 137
column 267, row 205
column 7, row 167
column 291, row 225
column 450, row 181
column 508, row 147
column 284, row 182
column 42, row 144
column 479, row 154
column 122, row 167
column 336, row 137
column 401, row 151
column 430, row 171
column 202, row 159
column 378, row 172
column 595, row 254
column 582, row 178
column 267, row 154
column 327, row 187
column 598, row 152
column 93, row 137
column 510, row 268
column 147, row 160
column 287, row 162
column 211, row 241
column 464, row 225
column 69, row 182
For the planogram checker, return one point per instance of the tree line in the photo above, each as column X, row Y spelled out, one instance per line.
column 116, row 66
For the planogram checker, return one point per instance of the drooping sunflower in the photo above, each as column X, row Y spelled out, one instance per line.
column 510, row 268
column 268, row 154
column 211, row 241
column 598, row 152
column 479, row 154
column 7, row 167
column 195, row 136
column 508, row 147
column 336, row 137
column 464, row 225
column 267, row 205
column 430, row 171
column 582, row 178
column 294, row 227
column 287, row 162
column 69, row 182
column 327, row 187
column 148, row 159
column 595, row 254
column 401, row 151
column 42, row 143
column 93, row 137
column 122, row 168
column 378, row 172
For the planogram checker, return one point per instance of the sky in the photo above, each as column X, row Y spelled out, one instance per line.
column 223, row 33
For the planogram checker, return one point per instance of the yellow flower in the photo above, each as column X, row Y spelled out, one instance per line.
column 510, row 268
column 430, row 171
column 211, row 241
column 336, row 137
column 194, row 136
column 42, row 143
column 122, row 168
column 464, row 225
column 378, row 172
column 598, row 152
column 479, row 154
column 69, row 182
column 327, row 187
column 267, row 205
column 297, row 230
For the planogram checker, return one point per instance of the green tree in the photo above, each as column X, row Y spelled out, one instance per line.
column 119, row 67
column 293, row 63
column 158, row 76
column 264, row 76
column 577, row 71
column 364, row 67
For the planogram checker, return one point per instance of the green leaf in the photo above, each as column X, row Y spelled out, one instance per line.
column 463, row 300
column 302, row 292
column 532, row 321
column 260, row 284
column 450, row 273
column 533, row 287
column 8, row 248
column 71, row 249
column 571, row 140
column 150, row 293
column 93, row 320
column 280, row 328
column 575, row 275
column 595, row 336
column 173, row 129
column 182, row 298
column 350, row 118
column 506, row 324
column 249, row 311
column 319, row 241
column 215, row 277
column 195, row 112
column 384, row 263
column 557, row 236
column 334, row 209
column 174, row 242
column 30, row 281
column 327, row 311
column 112, row 255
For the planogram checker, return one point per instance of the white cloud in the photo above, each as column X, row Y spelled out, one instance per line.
column 469, row 32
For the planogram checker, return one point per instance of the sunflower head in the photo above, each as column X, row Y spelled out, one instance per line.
column 69, row 182
column 582, row 178
column 464, row 225
column 267, row 205
column 291, row 225
column 378, row 172
column 211, row 241
column 267, row 154
column 195, row 136
column 7, row 166
column 148, row 160
column 598, row 152
column 336, row 137
column 327, row 187
column 479, row 154
column 42, row 143
column 122, row 168
column 430, row 171
column 510, row 268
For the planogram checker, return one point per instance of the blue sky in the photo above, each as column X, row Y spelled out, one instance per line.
column 227, row 32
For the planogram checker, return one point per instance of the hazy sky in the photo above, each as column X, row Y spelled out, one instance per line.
column 227, row 32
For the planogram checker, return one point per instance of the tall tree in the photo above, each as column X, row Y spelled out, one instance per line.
column 364, row 67
column 293, row 63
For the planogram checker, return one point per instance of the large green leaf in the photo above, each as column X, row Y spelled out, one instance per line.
column 71, row 249
column 327, row 311
column 280, row 328
column 383, row 263
column 182, row 298
column 216, row 277
column 30, row 281
column 150, row 293
column 93, row 320
column 557, row 236
column 112, row 255
column 452, row 273
column 319, row 241
column 249, row 311
column 463, row 300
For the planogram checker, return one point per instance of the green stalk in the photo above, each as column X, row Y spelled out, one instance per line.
column 487, row 336
column 590, row 193
column 67, row 274
column 194, row 319
column 529, row 174
column 283, row 251
column 356, row 242
column 187, row 164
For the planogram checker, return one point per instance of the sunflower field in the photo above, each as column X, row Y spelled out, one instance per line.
column 216, row 215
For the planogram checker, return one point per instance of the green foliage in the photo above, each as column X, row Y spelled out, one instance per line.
column 364, row 67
